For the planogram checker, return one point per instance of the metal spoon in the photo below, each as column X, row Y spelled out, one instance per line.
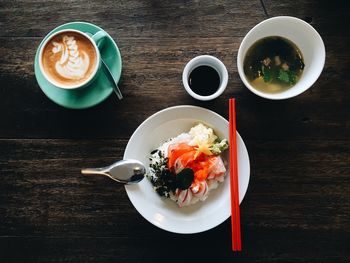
column 111, row 79
column 109, row 75
column 124, row 171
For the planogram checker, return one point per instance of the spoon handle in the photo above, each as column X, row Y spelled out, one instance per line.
column 106, row 69
column 94, row 171
column 112, row 79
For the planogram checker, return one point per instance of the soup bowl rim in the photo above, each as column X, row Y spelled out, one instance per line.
column 306, row 81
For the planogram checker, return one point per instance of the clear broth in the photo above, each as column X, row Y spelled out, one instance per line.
column 273, row 64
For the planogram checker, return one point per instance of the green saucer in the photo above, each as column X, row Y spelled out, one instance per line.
column 99, row 89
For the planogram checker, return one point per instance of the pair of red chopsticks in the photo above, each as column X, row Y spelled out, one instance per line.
column 235, row 213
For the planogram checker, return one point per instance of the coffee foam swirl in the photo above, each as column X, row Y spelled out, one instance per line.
column 73, row 63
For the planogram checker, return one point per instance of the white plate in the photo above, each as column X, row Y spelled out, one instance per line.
column 162, row 212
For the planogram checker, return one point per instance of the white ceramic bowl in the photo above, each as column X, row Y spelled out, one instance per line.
column 300, row 33
column 205, row 60
column 162, row 212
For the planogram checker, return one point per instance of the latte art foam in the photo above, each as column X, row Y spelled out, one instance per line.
column 73, row 63
column 69, row 59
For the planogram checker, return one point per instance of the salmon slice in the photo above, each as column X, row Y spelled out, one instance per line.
column 182, row 155
column 176, row 150
column 210, row 167
column 218, row 169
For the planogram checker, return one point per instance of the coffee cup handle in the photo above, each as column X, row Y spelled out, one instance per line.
column 98, row 38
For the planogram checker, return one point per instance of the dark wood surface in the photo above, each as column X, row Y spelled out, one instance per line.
column 297, row 207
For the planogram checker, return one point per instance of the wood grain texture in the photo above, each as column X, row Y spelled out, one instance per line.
column 134, row 18
column 285, row 171
column 297, row 205
column 45, row 202
column 325, row 16
column 153, row 68
column 258, row 246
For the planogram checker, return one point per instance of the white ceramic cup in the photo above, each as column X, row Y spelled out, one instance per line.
column 300, row 33
column 205, row 60
column 94, row 40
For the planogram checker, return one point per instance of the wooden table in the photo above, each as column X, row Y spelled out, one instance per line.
column 297, row 207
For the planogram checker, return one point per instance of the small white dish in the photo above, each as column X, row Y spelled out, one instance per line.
column 300, row 33
column 205, row 60
column 162, row 212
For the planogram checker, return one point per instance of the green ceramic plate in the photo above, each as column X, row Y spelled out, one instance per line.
column 98, row 90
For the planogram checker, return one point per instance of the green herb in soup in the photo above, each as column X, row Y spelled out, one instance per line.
column 273, row 64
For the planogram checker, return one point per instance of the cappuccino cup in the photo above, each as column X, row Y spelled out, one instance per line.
column 70, row 59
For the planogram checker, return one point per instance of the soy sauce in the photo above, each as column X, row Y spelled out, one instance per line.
column 204, row 80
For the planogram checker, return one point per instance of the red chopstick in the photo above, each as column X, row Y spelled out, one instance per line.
column 235, row 213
